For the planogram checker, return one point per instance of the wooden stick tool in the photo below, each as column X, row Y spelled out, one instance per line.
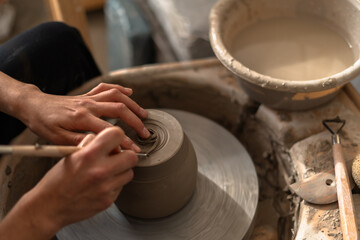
column 344, row 195
column 44, row 150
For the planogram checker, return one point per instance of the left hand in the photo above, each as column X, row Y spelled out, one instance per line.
column 63, row 119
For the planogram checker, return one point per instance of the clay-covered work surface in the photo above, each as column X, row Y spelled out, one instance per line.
column 307, row 150
column 222, row 207
column 284, row 146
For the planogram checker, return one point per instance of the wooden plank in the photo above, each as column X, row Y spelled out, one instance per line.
column 91, row 5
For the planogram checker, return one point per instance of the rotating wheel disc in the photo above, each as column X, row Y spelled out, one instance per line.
column 222, row 207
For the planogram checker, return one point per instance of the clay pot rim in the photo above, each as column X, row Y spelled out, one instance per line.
column 219, row 12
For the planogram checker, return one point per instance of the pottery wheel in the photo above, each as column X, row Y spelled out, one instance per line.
column 222, row 207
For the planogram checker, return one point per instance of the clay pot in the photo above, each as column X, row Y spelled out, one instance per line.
column 164, row 181
column 228, row 17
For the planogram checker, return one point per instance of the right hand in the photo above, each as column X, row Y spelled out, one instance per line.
column 84, row 183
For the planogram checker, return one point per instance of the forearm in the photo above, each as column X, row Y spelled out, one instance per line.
column 26, row 221
column 13, row 95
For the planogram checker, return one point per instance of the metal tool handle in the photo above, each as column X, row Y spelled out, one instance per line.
column 344, row 195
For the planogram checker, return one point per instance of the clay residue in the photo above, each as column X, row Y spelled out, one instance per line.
column 205, row 100
column 274, row 214
column 319, row 157
column 325, row 218
column 284, row 116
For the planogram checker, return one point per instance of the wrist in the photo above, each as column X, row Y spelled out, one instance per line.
column 24, row 102
column 39, row 216
column 29, row 218
column 14, row 95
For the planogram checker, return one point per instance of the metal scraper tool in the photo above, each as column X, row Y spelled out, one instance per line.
column 318, row 189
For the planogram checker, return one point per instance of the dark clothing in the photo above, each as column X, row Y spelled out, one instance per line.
column 52, row 56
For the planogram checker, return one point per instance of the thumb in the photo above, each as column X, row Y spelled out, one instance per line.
column 86, row 140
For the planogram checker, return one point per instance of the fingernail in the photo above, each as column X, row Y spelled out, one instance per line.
column 135, row 148
column 129, row 90
column 146, row 132
column 143, row 113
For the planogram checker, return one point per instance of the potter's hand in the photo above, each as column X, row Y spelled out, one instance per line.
column 60, row 118
column 76, row 188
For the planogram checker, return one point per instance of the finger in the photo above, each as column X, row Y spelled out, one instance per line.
column 113, row 195
column 106, row 86
column 120, row 110
column 106, row 141
column 67, row 137
column 129, row 144
column 121, row 179
column 116, row 150
column 97, row 125
column 116, row 96
column 93, row 124
column 86, row 140
column 121, row 162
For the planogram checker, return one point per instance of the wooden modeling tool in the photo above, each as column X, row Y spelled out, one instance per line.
column 44, row 150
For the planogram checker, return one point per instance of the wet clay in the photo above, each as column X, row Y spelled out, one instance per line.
column 165, row 180
column 296, row 48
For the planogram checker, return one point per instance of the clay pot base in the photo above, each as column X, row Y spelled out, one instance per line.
column 165, row 180
column 222, row 206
